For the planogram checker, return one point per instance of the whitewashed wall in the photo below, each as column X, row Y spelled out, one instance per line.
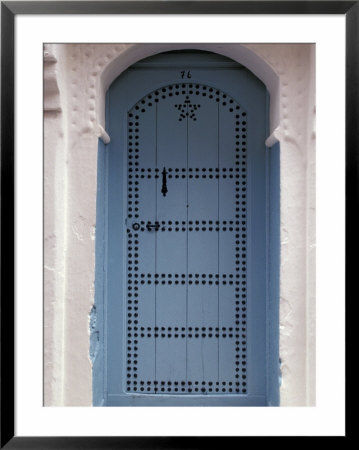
column 76, row 79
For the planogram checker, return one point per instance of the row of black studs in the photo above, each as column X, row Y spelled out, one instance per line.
column 188, row 382
column 134, row 160
column 186, row 89
column 133, row 188
column 203, row 282
column 137, row 173
column 190, row 275
column 240, row 251
column 236, row 330
column 237, row 279
column 196, row 169
column 183, row 335
column 132, row 212
column 184, row 177
column 178, row 229
column 190, row 329
column 189, row 390
column 194, row 222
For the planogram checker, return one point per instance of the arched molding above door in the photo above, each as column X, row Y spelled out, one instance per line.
column 243, row 54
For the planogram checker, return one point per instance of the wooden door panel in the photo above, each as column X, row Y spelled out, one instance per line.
column 193, row 170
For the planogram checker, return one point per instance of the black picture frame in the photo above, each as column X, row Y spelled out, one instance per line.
column 8, row 12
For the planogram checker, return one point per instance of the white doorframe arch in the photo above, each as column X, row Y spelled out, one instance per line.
column 238, row 52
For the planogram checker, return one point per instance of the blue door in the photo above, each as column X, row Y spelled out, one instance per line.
column 186, row 235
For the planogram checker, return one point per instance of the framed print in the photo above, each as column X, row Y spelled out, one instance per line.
column 176, row 185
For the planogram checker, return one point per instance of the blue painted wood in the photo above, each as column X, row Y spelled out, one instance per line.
column 186, row 305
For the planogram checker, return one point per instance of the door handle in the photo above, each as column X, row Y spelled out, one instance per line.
column 136, row 226
column 152, row 226
column 164, row 189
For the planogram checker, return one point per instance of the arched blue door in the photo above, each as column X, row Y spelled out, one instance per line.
column 186, row 220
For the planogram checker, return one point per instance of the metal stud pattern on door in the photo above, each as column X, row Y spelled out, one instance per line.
column 183, row 260
column 186, row 308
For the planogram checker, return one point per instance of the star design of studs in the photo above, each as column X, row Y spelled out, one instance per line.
column 187, row 109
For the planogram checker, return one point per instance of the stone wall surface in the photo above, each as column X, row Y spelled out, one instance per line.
column 76, row 77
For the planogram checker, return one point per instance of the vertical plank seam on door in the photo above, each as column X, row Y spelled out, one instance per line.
column 218, row 192
column 156, row 132
column 187, row 207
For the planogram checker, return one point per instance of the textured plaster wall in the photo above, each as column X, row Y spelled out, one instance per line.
column 76, row 78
